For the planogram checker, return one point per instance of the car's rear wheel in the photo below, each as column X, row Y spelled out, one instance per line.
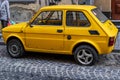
column 15, row 48
column 86, row 55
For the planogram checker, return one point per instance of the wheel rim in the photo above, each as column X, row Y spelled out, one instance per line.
column 14, row 49
column 84, row 56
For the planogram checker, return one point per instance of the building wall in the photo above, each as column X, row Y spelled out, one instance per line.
column 104, row 5
column 23, row 11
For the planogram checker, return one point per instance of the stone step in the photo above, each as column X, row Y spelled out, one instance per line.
column 116, row 22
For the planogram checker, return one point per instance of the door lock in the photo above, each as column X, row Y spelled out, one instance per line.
column 69, row 37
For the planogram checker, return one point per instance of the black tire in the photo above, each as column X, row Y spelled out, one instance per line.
column 15, row 48
column 86, row 55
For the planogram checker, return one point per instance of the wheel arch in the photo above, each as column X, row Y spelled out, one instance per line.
column 85, row 43
column 15, row 37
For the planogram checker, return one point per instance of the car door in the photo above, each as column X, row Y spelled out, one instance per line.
column 46, row 31
column 77, row 28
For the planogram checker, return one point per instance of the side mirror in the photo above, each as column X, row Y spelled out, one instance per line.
column 30, row 24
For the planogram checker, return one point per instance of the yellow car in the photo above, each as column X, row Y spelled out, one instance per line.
column 79, row 30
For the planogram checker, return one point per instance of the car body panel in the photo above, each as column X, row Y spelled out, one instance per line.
column 63, row 38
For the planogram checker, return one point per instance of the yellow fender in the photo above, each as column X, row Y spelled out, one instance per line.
column 16, row 36
column 88, row 42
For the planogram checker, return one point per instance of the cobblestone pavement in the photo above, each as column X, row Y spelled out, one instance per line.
column 36, row 66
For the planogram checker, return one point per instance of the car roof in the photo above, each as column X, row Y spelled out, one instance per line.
column 68, row 7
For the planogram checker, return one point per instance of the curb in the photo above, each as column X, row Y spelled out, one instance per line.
column 116, row 51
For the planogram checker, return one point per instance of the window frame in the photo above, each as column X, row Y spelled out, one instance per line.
column 76, row 18
column 49, row 18
column 102, row 15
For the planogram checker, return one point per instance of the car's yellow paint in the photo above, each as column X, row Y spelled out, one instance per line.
column 14, row 31
column 44, row 38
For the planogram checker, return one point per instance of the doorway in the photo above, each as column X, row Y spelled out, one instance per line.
column 115, row 4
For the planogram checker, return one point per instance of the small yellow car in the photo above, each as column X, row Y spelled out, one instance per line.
column 79, row 30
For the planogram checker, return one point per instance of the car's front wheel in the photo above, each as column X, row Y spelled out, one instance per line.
column 15, row 48
column 85, row 55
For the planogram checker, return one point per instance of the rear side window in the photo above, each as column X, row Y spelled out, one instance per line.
column 99, row 15
column 76, row 18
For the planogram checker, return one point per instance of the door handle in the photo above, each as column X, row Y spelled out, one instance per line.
column 59, row 31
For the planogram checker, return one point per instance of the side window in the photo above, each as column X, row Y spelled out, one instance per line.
column 49, row 18
column 76, row 18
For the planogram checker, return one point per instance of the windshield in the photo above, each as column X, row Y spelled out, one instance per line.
column 99, row 15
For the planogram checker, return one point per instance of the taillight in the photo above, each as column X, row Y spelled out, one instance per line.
column 111, row 41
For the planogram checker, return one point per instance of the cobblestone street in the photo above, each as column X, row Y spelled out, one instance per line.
column 38, row 66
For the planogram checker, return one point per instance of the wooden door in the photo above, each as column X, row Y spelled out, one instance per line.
column 115, row 9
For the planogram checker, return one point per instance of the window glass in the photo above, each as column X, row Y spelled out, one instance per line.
column 76, row 18
column 49, row 18
column 99, row 15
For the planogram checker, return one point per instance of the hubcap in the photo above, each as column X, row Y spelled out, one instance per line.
column 14, row 49
column 84, row 56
